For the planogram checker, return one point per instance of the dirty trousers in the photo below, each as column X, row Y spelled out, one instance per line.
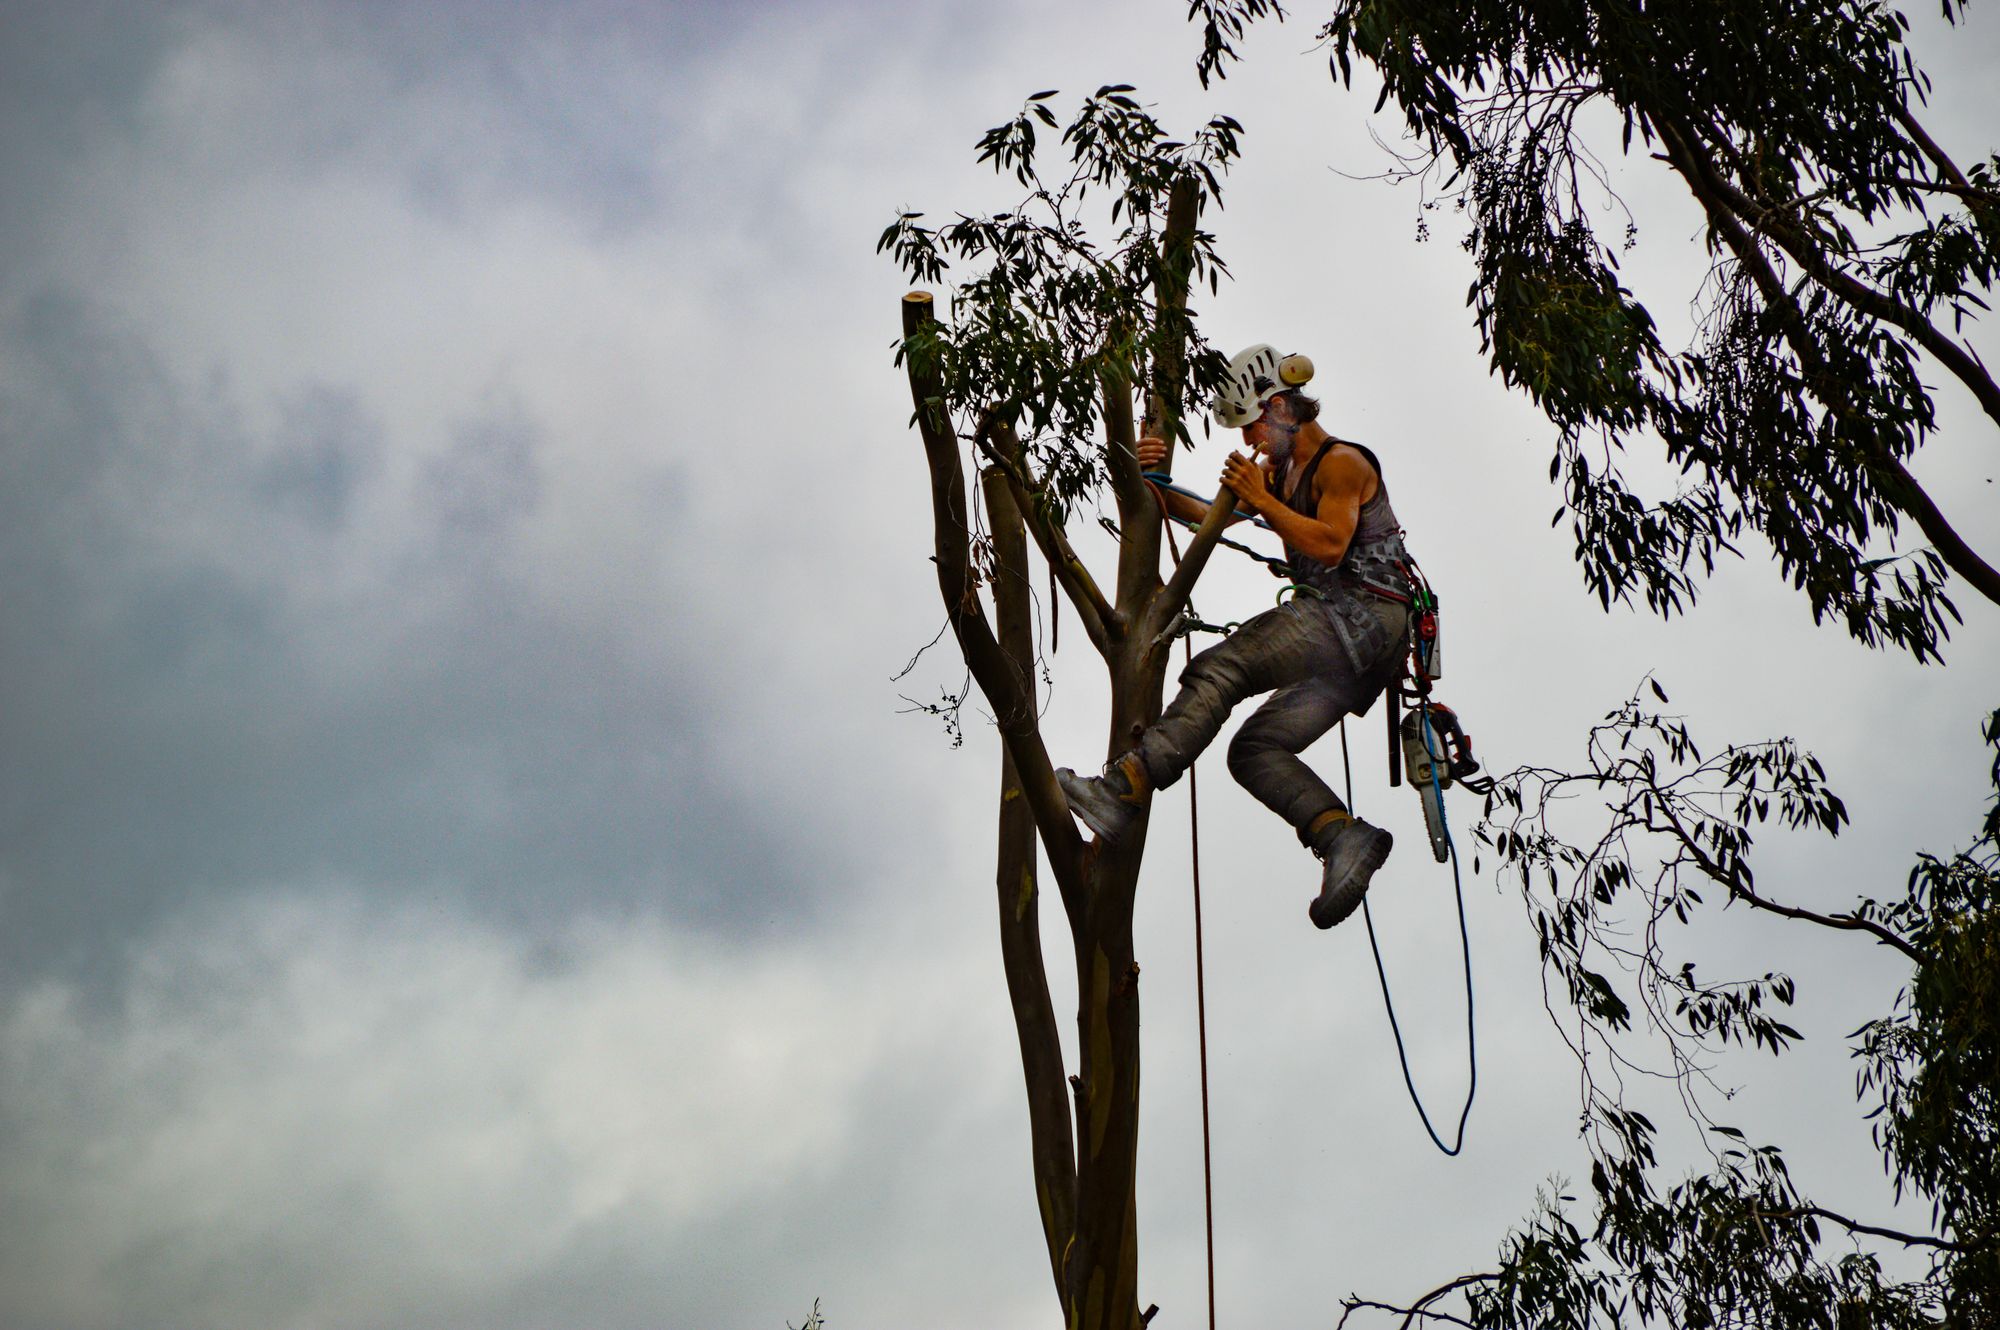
column 1325, row 658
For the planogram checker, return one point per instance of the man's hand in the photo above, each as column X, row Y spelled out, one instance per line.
column 1242, row 475
column 1151, row 453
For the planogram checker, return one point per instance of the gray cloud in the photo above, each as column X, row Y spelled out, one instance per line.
column 214, row 675
column 458, row 862
column 308, row 1111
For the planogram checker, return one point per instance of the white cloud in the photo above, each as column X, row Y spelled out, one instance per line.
column 313, row 1113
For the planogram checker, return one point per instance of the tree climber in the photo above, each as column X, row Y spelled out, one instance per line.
column 1326, row 653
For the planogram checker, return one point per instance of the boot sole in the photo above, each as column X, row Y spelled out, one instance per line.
column 1086, row 815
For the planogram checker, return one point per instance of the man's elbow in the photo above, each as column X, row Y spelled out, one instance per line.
column 1329, row 552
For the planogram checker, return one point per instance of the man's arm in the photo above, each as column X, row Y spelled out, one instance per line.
column 1343, row 482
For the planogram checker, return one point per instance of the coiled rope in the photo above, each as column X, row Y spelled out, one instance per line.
column 1191, row 624
column 1465, row 948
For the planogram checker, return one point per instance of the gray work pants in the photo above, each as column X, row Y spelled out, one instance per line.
column 1320, row 659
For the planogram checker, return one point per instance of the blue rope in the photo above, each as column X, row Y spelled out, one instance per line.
column 1465, row 946
column 1279, row 567
column 1166, row 482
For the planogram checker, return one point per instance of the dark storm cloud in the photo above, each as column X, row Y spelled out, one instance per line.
column 232, row 661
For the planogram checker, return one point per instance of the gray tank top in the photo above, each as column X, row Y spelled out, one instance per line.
column 1375, row 557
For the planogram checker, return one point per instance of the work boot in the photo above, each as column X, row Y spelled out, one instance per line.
column 1107, row 804
column 1352, row 855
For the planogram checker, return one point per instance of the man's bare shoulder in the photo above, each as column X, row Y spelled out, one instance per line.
column 1347, row 470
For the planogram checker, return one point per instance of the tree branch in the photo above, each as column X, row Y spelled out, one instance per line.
column 1421, row 1307
column 1409, row 1314
column 1138, row 511
column 1052, row 1151
column 1964, row 366
column 1909, row 496
column 1101, row 623
column 1946, row 167
column 1960, row 557
column 1845, row 922
column 1138, row 507
column 1005, row 687
column 1734, row 880
column 1873, row 1230
column 1170, row 297
column 1167, row 606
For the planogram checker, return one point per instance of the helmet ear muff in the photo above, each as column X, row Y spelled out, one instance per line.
column 1295, row 370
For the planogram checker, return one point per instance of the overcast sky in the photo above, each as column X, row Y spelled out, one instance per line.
column 464, row 863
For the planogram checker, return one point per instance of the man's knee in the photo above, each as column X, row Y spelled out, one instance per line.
column 1218, row 672
column 1249, row 750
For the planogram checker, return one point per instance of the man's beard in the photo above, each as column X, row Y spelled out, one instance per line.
column 1278, row 446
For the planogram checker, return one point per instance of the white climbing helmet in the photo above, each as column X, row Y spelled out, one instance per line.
column 1256, row 375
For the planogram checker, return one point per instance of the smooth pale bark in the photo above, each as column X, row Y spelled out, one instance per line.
column 1100, row 620
column 1163, row 415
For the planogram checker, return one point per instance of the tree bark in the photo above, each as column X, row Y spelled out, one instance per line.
column 1085, row 1184
column 1163, row 411
column 1005, row 687
column 1167, row 606
column 1100, row 621
column 1051, row 1149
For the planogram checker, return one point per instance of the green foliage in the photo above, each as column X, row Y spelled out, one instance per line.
column 1843, row 241
column 1934, row 1064
column 1847, row 251
column 1740, row 1243
column 1052, row 314
column 1223, row 22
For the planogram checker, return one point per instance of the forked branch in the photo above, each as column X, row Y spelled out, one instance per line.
column 1173, row 598
column 1006, row 687
column 1101, row 623
column 1712, row 185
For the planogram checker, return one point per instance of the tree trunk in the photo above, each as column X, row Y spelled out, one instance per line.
column 1085, row 1185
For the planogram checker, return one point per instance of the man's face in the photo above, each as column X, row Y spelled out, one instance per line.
column 1272, row 432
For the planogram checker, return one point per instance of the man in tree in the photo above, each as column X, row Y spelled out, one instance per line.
column 1326, row 653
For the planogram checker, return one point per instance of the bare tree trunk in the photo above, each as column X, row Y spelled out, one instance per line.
column 1085, row 1185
